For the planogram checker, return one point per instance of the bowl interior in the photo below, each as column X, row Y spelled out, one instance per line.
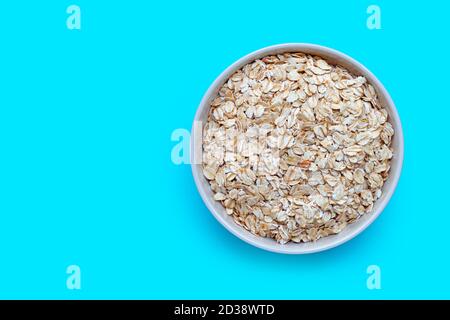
column 335, row 58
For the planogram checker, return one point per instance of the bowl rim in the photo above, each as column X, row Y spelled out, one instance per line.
column 298, row 47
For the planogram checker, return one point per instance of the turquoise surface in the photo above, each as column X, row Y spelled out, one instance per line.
column 86, row 176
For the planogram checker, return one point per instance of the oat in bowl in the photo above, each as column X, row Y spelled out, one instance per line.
column 299, row 150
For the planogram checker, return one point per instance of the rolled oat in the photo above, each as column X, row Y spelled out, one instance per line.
column 295, row 148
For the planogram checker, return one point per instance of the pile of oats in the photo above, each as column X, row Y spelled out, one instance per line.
column 295, row 149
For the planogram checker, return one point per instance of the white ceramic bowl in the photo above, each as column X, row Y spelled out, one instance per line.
column 216, row 208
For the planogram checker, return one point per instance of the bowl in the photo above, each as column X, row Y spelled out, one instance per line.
column 351, row 230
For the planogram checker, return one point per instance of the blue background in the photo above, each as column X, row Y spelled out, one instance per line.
column 86, row 176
